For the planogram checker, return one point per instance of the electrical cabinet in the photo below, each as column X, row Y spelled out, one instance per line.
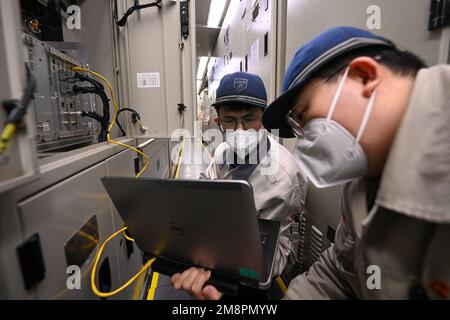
column 57, row 215
column 64, row 225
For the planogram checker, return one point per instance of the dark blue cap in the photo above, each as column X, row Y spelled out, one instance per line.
column 241, row 87
column 307, row 60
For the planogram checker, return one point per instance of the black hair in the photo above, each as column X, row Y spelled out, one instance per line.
column 402, row 63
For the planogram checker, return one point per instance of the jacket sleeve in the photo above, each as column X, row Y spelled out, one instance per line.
column 332, row 276
column 209, row 173
column 212, row 171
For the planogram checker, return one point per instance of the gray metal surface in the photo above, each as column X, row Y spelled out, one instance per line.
column 150, row 43
column 12, row 226
column 57, row 214
column 244, row 32
column 158, row 151
column 410, row 32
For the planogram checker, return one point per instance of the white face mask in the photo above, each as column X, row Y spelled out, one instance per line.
column 243, row 142
column 328, row 154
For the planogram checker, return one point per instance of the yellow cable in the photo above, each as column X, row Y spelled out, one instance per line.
column 111, row 126
column 7, row 134
column 153, row 286
column 180, row 160
column 127, row 237
column 126, row 285
column 281, row 284
column 141, row 125
column 206, row 149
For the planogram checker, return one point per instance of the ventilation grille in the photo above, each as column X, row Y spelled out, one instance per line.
column 315, row 245
column 300, row 267
column 311, row 244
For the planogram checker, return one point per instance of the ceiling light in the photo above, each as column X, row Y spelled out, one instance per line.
column 201, row 67
column 216, row 12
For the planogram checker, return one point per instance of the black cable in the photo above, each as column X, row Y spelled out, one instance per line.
column 101, row 94
column 18, row 109
column 122, row 22
column 103, row 119
column 136, row 116
column 99, row 90
column 95, row 116
column 86, row 78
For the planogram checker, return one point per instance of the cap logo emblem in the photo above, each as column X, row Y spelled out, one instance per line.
column 240, row 84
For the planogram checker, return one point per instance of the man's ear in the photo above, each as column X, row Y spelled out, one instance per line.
column 367, row 71
column 216, row 120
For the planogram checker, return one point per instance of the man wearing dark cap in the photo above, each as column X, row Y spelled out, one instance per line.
column 370, row 115
column 250, row 154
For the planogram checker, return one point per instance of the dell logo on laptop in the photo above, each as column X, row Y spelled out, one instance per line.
column 176, row 228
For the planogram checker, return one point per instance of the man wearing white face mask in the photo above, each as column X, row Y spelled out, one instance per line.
column 370, row 115
column 250, row 154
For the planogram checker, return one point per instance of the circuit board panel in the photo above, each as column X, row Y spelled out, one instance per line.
column 56, row 107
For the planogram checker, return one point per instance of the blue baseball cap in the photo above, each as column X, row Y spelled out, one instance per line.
column 310, row 58
column 241, row 87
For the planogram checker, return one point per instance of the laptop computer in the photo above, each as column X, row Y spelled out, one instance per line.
column 202, row 223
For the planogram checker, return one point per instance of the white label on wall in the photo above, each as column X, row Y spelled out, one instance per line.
column 46, row 126
column 254, row 53
column 148, row 80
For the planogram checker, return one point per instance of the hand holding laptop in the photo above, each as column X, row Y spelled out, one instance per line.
column 193, row 281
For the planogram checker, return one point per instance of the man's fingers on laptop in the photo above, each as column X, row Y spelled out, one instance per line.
column 191, row 278
column 211, row 293
column 198, row 284
column 178, row 283
column 175, row 277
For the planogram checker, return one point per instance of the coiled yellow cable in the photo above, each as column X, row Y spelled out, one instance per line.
column 147, row 162
column 129, row 282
